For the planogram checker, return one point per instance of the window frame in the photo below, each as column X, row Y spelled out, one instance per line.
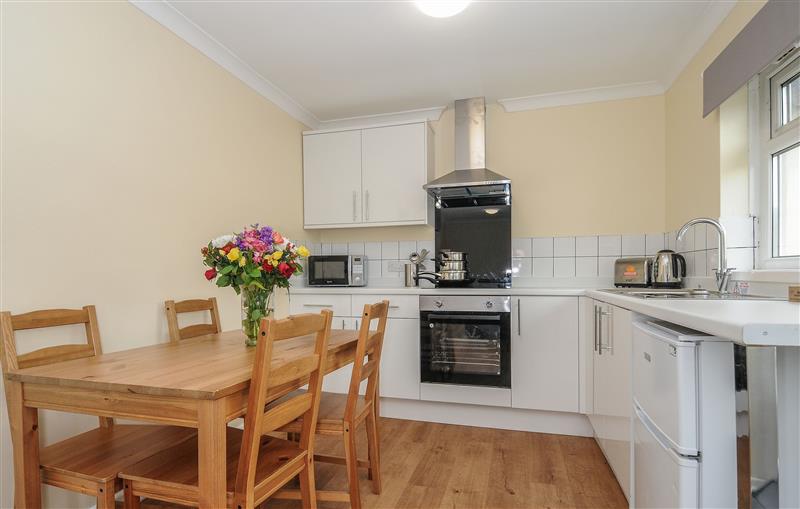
column 769, row 138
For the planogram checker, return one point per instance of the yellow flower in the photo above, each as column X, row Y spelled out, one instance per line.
column 303, row 251
column 242, row 261
column 277, row 255
column 234, row 254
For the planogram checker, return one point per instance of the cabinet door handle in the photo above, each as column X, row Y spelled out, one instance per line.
column 519, row 318
column 354, row 206
column 366, row 205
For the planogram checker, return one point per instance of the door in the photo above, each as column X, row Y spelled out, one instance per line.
column 399, row 376
column 395, row 169
column 332, row 178
column 544, row 360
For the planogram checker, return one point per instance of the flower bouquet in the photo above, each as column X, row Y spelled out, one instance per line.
column 253, row 263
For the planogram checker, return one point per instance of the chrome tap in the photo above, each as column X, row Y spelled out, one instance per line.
column 722, row 271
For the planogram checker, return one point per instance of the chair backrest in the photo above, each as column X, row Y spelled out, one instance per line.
column 370, row 344
column 43, row 319
column 305, row 406
column 173, row 309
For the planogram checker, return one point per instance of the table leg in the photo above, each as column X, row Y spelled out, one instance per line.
column 212, row 457
column 24, row 424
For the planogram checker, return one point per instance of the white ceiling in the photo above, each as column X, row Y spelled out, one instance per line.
column 344, row 59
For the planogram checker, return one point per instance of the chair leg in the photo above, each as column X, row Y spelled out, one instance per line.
column 105, row 496
column 374, row 453
column 351, row 462
column 308, row 490
column 131, row 500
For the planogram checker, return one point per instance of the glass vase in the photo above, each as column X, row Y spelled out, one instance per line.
column 256, row 304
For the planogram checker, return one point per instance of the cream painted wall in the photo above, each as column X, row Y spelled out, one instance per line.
column 734, row 156
column 584, row 169
column 693, row 142
column 124, row 151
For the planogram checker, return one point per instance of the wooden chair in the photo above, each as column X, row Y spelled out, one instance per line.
column 341, row 414
column 176, row 333
column 258, row 464
column 87, row 463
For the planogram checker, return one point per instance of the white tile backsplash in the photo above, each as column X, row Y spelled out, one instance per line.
column 712, row 260
column 390, row 251
column 543, row 247
column 392, row 269
column 586, row 266
column 586, row 246
column 373, row 269
column 522, row 247
column 542, row 267
column 564, row 267
column 699, row 264
column 426, row 244
column 605, row 266
column 355, row 248
column 686, row 244
column 584, row 257
column 699, row 237
column 373, row 250
column 633, row 245
column 521, row 267
column 406, row 247
column 609, row 245
column 653, row 243
column 564, row 246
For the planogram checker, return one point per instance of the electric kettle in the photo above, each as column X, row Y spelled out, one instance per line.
column 668, row 269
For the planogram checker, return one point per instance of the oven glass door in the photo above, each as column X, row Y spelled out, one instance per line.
column 467, row 348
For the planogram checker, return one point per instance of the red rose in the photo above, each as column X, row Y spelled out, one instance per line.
column 285, row 269
column 211, row 274
column 227, row 247
column 266, row 266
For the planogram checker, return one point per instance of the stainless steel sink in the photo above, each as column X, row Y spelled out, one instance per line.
column 695, row 294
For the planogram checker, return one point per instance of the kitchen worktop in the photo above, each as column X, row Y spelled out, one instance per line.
column 749, row 322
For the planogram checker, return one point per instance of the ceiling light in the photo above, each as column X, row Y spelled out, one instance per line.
column 441, row 8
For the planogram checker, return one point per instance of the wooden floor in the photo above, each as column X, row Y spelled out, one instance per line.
column 427, row 465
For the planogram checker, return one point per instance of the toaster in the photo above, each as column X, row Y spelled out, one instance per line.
column 632, row 272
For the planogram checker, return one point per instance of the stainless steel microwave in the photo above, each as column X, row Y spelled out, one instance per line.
column 337, row 270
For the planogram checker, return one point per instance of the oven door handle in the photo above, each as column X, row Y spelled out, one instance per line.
column 464, row 318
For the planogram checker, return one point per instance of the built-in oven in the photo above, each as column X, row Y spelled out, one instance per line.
column 465, row 340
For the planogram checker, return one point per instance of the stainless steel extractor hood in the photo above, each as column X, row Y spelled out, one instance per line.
column 471, row 179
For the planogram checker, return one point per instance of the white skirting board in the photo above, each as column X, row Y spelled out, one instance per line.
column 559, row 423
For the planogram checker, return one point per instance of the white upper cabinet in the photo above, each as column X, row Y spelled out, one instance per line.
column 394, row 171
column 332, row 178
column 368, row 177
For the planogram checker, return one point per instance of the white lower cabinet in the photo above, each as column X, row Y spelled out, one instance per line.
column 399, row 376
column 544, row 353
column 611, row 381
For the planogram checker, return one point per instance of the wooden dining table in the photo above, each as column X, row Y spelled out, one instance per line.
column 200, row 383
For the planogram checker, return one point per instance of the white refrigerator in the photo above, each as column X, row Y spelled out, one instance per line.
column 684, row 431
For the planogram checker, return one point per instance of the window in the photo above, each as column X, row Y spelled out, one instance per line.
column 776, row 161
